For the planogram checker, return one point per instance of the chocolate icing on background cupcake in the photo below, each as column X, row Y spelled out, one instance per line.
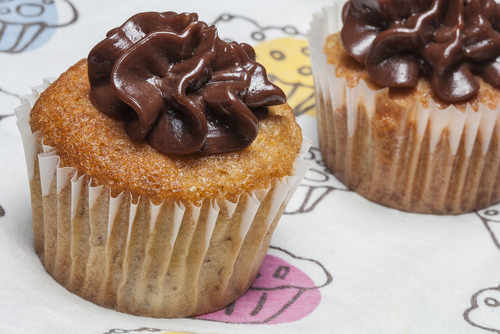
column 448, row 41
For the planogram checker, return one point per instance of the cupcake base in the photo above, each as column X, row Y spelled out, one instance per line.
column 175, row 259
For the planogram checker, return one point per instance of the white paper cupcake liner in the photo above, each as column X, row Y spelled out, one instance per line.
column 175, row 259
column 437, row 161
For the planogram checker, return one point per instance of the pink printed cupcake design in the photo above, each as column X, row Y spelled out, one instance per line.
column 281, row 292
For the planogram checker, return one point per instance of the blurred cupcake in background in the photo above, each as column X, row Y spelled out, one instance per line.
column 407, row 101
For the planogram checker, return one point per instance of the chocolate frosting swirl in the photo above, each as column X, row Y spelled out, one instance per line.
column 447, row 40
column 179, row 86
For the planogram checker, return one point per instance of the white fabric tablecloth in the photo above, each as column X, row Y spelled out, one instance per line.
column 338, row 263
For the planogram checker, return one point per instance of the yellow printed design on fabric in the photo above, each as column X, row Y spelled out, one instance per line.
column 288, row 65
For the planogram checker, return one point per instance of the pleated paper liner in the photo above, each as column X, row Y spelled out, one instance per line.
column 430, row 161
column 175, row 259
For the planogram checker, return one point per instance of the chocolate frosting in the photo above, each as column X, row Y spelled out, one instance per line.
column 179, row 86
column 447, row 40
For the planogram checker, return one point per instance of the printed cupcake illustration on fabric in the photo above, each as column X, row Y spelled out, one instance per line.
column 283, row 51
column 491, row 220
column 485, row 310
column 285, row 290
column 28, row 24
column 289, row 66
column 318, row 183
column 250, row 31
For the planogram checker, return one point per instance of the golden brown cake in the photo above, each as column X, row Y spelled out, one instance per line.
column 411, row 146
column 348, row 68
column 126, row 226
column 68, row 121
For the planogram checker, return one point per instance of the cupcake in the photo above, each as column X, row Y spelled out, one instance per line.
column 159, row 168
column 407, row 101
